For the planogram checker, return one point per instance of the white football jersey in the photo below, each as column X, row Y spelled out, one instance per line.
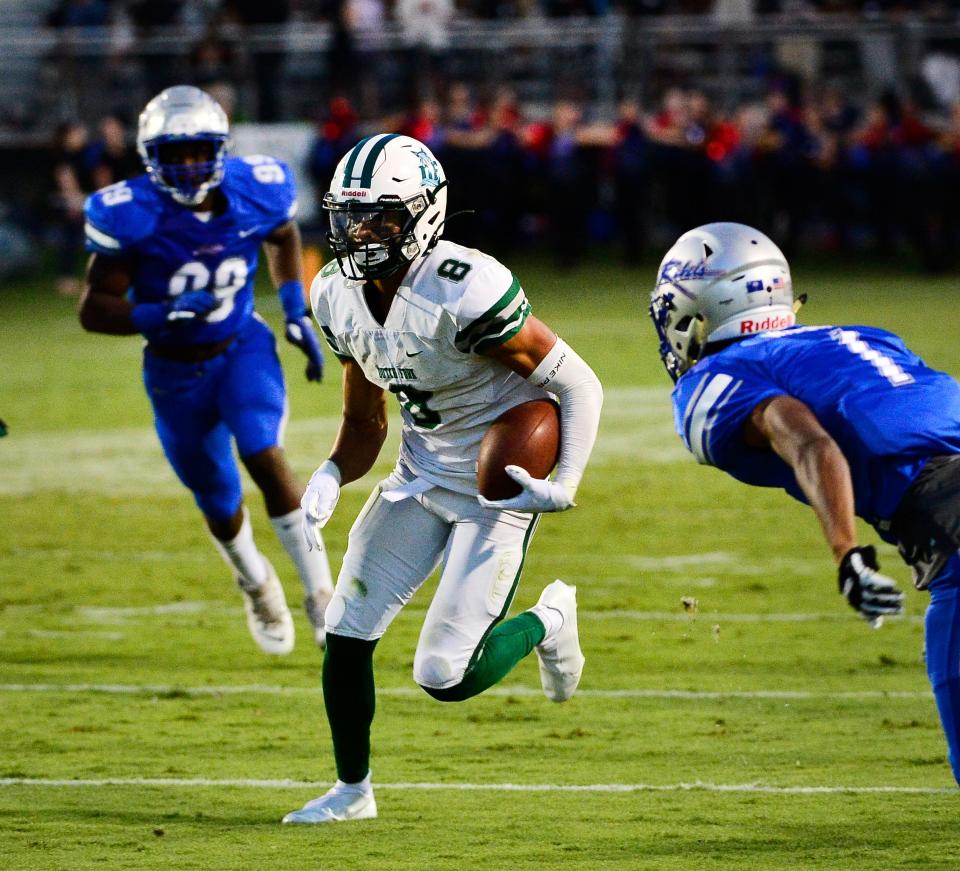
column 453, row 304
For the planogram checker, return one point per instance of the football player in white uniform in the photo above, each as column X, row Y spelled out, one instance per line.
column 448, row 330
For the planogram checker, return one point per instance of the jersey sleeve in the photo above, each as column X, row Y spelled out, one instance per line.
column 271, row 184
column 493, row 307
column 710, row 410
column 116, row 218
column 320, row 305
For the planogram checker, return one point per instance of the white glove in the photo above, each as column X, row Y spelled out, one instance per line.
column 538, row 495
column 318, row 502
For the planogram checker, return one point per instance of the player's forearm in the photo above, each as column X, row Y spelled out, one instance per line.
column 823, row 474
column 285, row 255
column 105, row 313
column 789, row 428
column 565, row 374
column 358, row 445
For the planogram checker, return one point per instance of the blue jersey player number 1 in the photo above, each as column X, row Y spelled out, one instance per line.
column 174, row 255
column 846, row 419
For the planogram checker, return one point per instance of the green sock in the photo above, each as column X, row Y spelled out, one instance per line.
column 504, row 647
column 350, row 700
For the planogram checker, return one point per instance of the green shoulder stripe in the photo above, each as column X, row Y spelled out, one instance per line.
column 493, row 318
column 508, row 330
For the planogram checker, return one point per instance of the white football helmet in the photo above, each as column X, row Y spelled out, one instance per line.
column 184, row 114
column 386, row 204
column 718, row 282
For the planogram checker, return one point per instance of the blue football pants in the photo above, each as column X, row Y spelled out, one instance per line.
column 198, row 407
column 942, row 654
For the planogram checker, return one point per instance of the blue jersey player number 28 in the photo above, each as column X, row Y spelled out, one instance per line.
column 174, row 256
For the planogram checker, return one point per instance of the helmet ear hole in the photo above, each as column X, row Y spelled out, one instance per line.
column 684, row 323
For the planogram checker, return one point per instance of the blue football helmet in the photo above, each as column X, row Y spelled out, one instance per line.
column 183, row 136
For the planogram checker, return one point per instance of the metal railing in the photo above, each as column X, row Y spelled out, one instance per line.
column 46, row 74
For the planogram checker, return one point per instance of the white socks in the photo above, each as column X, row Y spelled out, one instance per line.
column 365, row 785
column 312, row 565
column 551, row 618
column 242, row 556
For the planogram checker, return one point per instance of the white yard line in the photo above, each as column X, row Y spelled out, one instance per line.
column 266, row 689
column 723, row 617
column 696, row 786
column 110, row 614
column 128, row 461
column 75, row 633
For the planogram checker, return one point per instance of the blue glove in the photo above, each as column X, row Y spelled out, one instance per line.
column 299, row 332
column 292, row 299
column 190, row 305
column 187, row 306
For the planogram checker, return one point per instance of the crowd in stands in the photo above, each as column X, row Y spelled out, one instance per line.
column 82, row 163
column 815, row 170
column 809, row 165
column 152, row 13
column 241, row 44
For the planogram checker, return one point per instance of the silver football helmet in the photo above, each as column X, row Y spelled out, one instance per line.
column 719, row 281
column 170, row 123
column 386, row 205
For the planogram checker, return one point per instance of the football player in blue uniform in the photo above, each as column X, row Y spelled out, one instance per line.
column 846, row 419
column 174, row 257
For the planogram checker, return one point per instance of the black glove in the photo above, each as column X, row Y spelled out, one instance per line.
column 872, row 595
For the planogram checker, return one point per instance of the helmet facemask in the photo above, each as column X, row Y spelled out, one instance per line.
column 681, row 334
column 172, row 165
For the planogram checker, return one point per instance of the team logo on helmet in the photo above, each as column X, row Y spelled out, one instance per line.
column 429, row 168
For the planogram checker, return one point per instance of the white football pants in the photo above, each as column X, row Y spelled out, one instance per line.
column 393, row 548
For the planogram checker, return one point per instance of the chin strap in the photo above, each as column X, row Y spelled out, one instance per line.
column 799, row 302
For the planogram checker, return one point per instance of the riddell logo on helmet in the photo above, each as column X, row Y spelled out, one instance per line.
column 773, row 322
column 354, row 193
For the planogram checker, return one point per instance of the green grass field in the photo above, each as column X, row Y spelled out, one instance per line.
column 767, row 727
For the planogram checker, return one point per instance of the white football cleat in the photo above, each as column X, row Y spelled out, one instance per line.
column 316, row 606
column 344, row 802
column 561, row 659
column 268, row 616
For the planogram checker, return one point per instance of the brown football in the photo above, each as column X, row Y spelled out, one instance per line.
column 526, row 435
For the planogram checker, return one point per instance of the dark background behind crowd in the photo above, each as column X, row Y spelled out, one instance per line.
column 557, row 159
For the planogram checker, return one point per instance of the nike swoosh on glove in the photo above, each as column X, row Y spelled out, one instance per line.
column 539, row 495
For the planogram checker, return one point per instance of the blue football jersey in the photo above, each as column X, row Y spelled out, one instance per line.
column 886, row 409
column 173, row 250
